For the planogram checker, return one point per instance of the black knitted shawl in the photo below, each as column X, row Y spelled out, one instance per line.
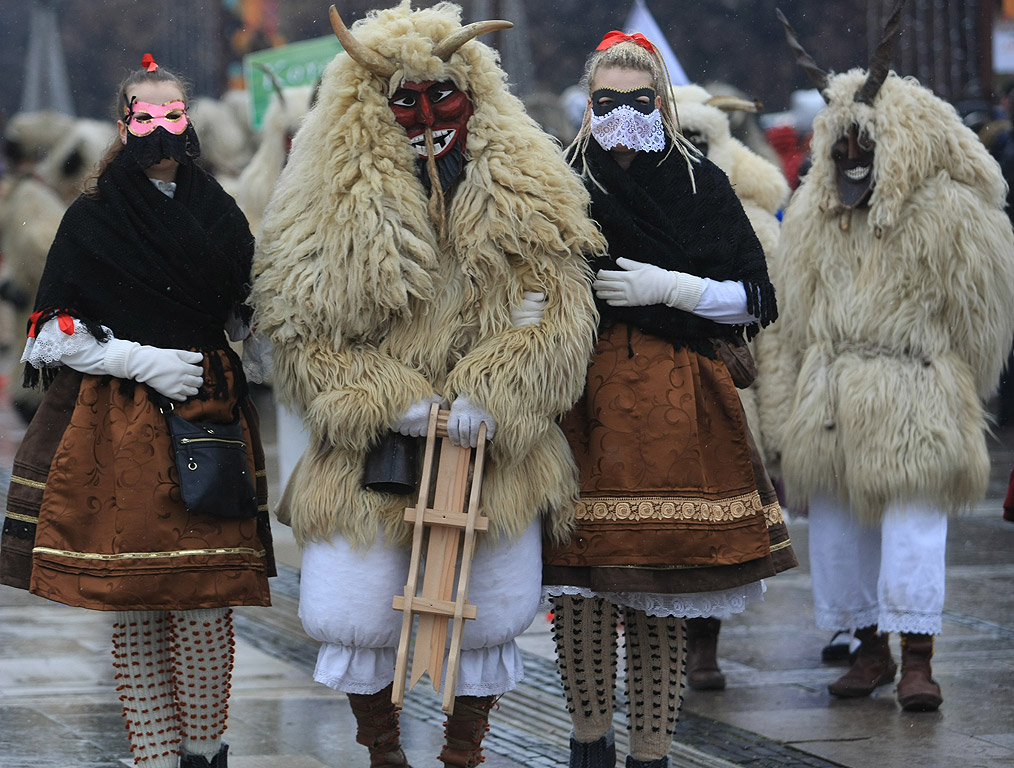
column 651, row 213
column 156, row 270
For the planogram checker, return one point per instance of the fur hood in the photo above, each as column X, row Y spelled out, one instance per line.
column 350, row 195
column 918, row 136
column 753, row 177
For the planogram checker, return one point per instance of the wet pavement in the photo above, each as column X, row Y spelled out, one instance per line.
column 58, row 706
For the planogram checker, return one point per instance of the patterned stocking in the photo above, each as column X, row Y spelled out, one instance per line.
column 585, row 633
column 144, row 680
column 203, row 648
column 656, row 654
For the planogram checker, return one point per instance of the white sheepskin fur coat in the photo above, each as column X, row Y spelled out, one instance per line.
column 762, row 190
column 368, row 312
column 898, row 318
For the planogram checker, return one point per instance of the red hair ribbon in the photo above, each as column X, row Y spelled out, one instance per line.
column 616, row 36
column 148, row 62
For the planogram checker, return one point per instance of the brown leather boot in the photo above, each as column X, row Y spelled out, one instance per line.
column 703, row 673
column 872, row 668
column 917, row 690
column 464, row 731
column 377, row 728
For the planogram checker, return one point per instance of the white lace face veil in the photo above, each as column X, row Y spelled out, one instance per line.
column 624, row 126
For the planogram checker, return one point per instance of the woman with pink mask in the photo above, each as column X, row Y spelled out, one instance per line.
column 149, row 269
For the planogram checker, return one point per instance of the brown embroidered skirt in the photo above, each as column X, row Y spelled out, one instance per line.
column 674, row 496
column 94, row 510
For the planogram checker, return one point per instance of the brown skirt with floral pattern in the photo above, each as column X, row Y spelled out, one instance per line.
column 94, row 515
column 674, row 496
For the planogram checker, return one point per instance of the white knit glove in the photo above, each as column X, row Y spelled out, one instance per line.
column 174, row 373
column 464, row 420
column 641, row 285
column 416, row 419
column 533, row 304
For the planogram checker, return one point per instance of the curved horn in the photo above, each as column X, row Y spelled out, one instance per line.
column 450, row 44
column 274, row 80
column 880, row 64
column 734, row 104
column 817, row 75
column 367, row 57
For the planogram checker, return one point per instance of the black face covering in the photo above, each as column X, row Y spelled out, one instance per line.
column 623, row 99
column 161, row 145
column 449, row 167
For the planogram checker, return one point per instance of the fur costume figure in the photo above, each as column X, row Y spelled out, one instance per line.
column 379, row 286
column 369, row 312
column 898, row 317
column 758, row 183
column 762, row 191
column 896, row 276
column 30, row 214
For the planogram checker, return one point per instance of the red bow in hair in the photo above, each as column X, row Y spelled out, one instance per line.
column 614, row 37
column 148, row 62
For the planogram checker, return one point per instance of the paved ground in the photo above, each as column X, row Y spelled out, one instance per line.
column 58, row 706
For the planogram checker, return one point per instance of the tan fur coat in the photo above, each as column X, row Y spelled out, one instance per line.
column 762, row 190
column 368, row 313
column 899, row 324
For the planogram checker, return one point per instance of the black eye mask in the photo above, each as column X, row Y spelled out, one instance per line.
column 623, row 99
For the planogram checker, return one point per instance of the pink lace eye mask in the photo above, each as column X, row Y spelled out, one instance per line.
column 145, row 118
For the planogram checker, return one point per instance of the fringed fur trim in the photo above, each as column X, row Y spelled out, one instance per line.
column 918, row 136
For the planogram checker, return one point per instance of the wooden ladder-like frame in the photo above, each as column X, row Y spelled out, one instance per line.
column 438, row 603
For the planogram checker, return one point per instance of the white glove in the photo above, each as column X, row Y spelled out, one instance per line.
column 416, row 419
column 464, row 420
column 533, row 304
column 174, row 373
column 641, row 285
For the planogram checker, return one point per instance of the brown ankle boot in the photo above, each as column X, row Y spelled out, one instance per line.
column 464, row 730
column 377, row 728
column 703, row 673
column 872, row 668
column 917, row 690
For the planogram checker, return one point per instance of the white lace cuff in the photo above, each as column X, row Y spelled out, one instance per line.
column 51, row 344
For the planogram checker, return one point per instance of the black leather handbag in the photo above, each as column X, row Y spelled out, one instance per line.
column 213, row 467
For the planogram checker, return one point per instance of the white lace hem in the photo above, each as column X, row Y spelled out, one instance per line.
column 886, row 620
column 51, row 344
column 696, row 605
column 625, row 126
column 488, row 671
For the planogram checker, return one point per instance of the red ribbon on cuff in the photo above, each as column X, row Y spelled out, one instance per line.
column 66, row 323
column 33, row 320
column 616, row 36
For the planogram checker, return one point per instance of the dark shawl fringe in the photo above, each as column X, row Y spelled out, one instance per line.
column 157, row 270
column 650, row 213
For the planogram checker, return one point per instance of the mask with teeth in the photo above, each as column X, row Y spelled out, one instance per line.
column 853, row 159
column 441, row 109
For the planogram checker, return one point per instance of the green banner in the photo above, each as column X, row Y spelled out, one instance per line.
column 294, row 64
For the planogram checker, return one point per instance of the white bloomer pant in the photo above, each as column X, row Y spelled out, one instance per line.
column 345, row 599
column 890, row 575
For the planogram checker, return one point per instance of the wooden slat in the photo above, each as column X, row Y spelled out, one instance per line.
column 437, row 517
column 401, row 660
column 438, row 607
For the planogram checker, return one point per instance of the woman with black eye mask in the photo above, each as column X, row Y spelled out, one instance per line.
column 671, row 524
column 149, row 268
